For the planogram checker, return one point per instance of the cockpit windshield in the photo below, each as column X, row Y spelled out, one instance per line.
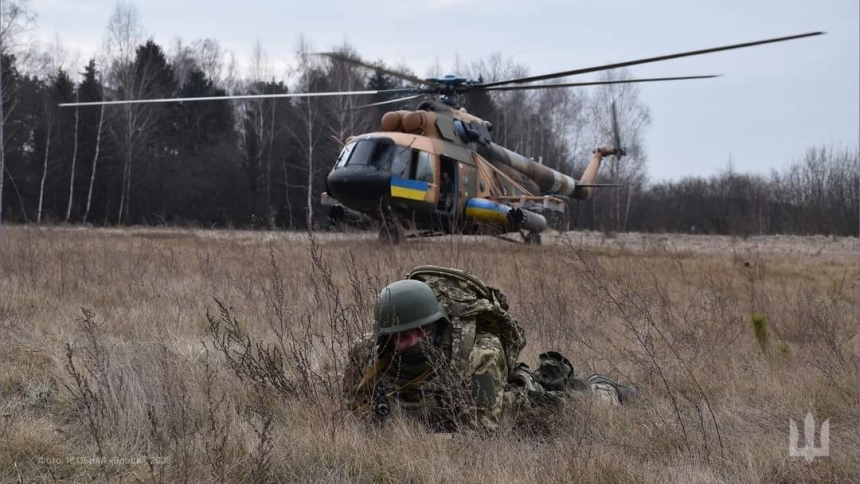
column 381, row 153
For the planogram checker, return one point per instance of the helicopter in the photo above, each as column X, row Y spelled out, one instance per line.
column 435, row 170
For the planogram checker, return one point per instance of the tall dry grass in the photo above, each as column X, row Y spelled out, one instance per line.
column 184, row 356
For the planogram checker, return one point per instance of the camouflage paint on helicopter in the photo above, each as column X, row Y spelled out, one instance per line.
column 397, row 175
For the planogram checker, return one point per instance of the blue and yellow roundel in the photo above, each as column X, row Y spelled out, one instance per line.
column 408, row 189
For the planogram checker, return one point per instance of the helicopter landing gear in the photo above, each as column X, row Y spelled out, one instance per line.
column 531, row 238
column 391, row 233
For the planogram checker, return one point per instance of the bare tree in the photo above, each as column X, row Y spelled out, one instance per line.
column 209, row 57
column 49, row 122
column 53, row 62
column 182, row 59
column 15, row 19
column 257, row 125
column 633, row 117
column 133, row 123
column 310, row 119
column 74, row 160
column 263, row 115
column 344, row 76
column 99, row 131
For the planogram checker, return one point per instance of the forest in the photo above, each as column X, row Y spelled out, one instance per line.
column 262, row 163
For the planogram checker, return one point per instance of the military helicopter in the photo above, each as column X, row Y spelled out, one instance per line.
column 436, row 170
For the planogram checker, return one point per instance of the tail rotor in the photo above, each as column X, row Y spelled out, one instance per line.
column 618, row 150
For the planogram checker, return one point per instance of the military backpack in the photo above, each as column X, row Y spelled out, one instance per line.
column 472, row 307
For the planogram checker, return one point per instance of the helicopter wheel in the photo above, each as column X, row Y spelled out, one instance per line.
column 532, row 238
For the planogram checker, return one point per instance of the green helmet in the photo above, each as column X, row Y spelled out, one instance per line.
column 405, row 305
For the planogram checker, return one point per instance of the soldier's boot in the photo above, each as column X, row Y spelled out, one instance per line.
column 556, row 374
column 610, row 391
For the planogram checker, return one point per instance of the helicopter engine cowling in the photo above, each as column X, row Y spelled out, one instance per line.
column 392, row 121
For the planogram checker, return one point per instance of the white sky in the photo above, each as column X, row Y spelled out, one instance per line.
column 773, row 102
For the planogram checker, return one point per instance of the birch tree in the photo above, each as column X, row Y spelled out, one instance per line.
column 49, row 124
column 74, row 160
column 124, row 33
column 257, row 125
column 93, row 91
column 310, row 125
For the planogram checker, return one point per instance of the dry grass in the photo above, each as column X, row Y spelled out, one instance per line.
column 111, row 372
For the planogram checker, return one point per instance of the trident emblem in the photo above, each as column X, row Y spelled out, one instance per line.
column 809, row 450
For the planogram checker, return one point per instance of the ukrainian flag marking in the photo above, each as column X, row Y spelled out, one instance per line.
column 483, row 210
column 409, row 189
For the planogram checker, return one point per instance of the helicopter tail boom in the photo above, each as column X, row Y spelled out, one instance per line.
column 547, row 180
column 587, row 185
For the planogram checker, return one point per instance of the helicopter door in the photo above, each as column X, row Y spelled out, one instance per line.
column 447, row 185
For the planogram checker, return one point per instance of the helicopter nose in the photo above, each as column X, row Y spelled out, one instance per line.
column 360, row 187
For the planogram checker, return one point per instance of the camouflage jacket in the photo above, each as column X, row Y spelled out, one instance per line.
column 446, row 399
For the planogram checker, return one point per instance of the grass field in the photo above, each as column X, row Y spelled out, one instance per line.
column 110, row 371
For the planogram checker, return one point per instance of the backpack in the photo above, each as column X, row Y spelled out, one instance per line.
column 472, row 307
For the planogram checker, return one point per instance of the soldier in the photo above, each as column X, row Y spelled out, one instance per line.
column 443, row 363
column 446, row 193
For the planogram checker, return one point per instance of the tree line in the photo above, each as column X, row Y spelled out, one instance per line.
column 817, row 194
column 262, row 163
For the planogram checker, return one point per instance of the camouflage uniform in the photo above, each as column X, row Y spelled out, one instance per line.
column 464, row 370
column 445, row 399
column 480, row 397
column 488, row 374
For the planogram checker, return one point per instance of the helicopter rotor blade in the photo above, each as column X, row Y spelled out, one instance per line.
column 238, row 97
column 381, row 103
column 599, row 185
column 646, row 60
column 358, row 62
column 616, row 137
column 596, row 83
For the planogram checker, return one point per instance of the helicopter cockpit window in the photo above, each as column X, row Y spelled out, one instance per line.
column 344, row 155
column 423, row 167
column 400, row 161
column 372, row 152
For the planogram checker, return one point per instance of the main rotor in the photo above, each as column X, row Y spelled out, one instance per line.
column 450, row 88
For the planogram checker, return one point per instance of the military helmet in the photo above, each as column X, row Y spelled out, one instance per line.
column 405, row 305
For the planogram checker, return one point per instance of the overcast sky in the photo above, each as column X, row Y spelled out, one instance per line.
column 773, row 102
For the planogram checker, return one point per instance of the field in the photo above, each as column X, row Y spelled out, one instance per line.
column 112, row 371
